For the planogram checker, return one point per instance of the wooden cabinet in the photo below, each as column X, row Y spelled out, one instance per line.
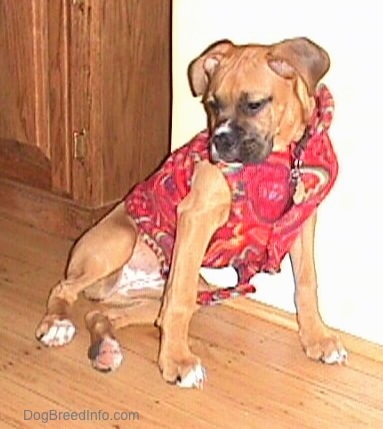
column 85, row 94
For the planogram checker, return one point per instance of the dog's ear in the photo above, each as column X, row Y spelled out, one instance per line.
column 301, row 56
column 202, row 68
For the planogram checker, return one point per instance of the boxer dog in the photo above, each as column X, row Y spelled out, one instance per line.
column 243, row 193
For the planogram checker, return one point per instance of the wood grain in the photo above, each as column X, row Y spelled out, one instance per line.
column 25, row 163
column 257, row 374
column 60, row 131
column 17, row 77
column 84, row 102
column 24, row 118
column 120, row 56
column 46, row 211
column 67, row 66
column 40, row 74
column 135, row 89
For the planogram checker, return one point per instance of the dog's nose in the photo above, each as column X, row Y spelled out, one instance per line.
column 225, row 142
column 227, row 135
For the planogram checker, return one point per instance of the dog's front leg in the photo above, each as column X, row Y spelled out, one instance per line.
column 199, row 215
column 318, row 341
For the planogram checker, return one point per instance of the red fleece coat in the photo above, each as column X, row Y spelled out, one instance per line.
column 263, row 222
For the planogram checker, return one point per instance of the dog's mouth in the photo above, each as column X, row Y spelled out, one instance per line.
column 231, row 144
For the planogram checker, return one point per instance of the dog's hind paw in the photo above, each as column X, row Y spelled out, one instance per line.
column 194, row 378
column 56, row 333
column 105, row 355
column 337, row 356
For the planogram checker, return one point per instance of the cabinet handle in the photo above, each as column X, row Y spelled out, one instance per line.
column 80, row 144
column 78, row 3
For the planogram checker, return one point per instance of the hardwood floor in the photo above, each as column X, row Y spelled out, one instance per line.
column 258, row 377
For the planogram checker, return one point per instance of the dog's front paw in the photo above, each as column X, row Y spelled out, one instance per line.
column 54, row 332
column 324, row 346
column 194, row 378
column 186, row 372
column 105, row 354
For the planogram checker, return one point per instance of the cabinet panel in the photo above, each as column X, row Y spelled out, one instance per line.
column 25, row 120
column 135, row 90
column 17, row 72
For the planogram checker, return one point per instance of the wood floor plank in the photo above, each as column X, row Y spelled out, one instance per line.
column 258, row 375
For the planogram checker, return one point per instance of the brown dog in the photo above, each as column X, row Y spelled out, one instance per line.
column 224, row 199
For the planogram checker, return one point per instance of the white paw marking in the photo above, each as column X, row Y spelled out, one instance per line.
column 194, row 378
column 108, row 346
column 60, row 333
column 117, row 355
column 337, row 356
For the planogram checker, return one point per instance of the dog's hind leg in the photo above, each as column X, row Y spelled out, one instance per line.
column 101, row 251
column 105, row 351
column 97, row 291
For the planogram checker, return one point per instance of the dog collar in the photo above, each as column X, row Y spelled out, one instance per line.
column 318, row 125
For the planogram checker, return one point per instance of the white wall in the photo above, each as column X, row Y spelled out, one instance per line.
column 349, row 232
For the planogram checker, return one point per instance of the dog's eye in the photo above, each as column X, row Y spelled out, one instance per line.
column 253, row 107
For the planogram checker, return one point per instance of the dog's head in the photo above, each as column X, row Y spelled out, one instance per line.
column 258, row 98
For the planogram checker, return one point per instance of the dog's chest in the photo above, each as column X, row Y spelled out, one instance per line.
column 262, row 191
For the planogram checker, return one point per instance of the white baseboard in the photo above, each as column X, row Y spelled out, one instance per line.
column 288, row 320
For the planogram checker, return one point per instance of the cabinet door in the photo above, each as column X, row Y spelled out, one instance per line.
column 84, row 105
column 135, row 88
column 121, row 94
column 34, row 134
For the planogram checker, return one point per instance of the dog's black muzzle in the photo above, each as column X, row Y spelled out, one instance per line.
column 231, row 143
